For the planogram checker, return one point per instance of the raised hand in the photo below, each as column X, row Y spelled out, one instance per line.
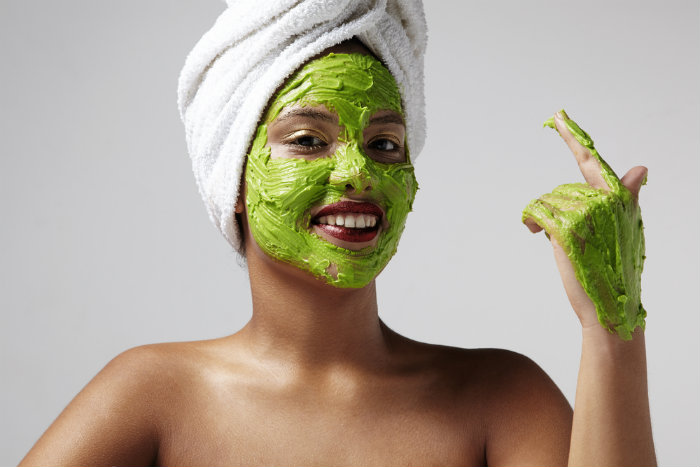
column 597, row 234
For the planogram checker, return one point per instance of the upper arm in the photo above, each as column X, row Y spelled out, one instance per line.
column 112, row 421
column 530, row 421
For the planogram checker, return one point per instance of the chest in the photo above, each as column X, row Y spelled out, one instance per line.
column 261, row 429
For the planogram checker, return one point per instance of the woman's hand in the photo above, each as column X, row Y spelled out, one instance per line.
column 597, row 234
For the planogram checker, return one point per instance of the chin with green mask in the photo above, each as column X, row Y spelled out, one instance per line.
column 286, row 195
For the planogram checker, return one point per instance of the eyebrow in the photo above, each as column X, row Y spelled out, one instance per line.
column 387, row 118
column 306, row 113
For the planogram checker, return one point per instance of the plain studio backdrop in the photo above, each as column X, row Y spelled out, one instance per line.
column 105, row 243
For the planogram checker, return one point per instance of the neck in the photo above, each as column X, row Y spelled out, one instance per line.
column 302, row 321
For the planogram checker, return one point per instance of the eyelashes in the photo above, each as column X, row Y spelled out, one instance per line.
column 305, row 141
column 384, row 144
column 386, row 149
column 382, row 148
column 309, row 142
column 313, row 142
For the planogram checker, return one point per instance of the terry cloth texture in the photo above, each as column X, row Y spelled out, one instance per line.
column 253, row 47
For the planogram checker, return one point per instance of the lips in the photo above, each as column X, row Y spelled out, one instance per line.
column 350, row 221
column 350, row 207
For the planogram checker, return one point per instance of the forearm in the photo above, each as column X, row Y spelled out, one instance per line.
column 612, row 425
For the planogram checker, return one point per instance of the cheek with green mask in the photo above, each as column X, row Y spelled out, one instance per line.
column 282, row 191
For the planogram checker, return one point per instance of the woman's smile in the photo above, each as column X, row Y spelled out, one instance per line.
column 328, row 179
column 349, row 224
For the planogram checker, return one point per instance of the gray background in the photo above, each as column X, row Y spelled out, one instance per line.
column 105, row 243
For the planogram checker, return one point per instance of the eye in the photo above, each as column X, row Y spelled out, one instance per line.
column 386, row 149
column 309, row 141
column 383, row 144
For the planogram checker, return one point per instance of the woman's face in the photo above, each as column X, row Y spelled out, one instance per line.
column 329, row 182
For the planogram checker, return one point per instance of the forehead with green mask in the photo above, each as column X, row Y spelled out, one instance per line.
column 283, row 192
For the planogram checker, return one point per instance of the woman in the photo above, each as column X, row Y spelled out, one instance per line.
column 316, row 377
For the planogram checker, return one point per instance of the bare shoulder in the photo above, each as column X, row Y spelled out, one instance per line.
column 148, row 373
column 117, row 417
column 528, row 418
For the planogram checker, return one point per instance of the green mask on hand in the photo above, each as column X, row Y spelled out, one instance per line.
column 603, row 236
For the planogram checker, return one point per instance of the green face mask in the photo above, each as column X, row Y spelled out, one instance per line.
column 281, row 192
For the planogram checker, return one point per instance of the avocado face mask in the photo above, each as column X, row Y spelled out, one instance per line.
column 281, row 192
column 602, row 233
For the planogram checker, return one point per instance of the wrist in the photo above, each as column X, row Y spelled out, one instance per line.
column 598, row 340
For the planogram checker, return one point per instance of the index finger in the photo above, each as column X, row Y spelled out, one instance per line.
column 595, row 170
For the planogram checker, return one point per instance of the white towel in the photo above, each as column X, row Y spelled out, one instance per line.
column 235, row 68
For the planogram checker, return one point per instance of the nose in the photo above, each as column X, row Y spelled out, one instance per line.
column 353, row 170
column 351, row 188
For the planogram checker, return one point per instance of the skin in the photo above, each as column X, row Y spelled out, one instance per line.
column 316, row 378
column 612, row 424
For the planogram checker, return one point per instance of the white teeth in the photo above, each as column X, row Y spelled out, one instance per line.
column 350, row 220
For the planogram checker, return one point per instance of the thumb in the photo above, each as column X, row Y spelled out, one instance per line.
column 634, row 179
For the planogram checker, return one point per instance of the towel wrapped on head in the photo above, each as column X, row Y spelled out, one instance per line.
column 253, row 47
